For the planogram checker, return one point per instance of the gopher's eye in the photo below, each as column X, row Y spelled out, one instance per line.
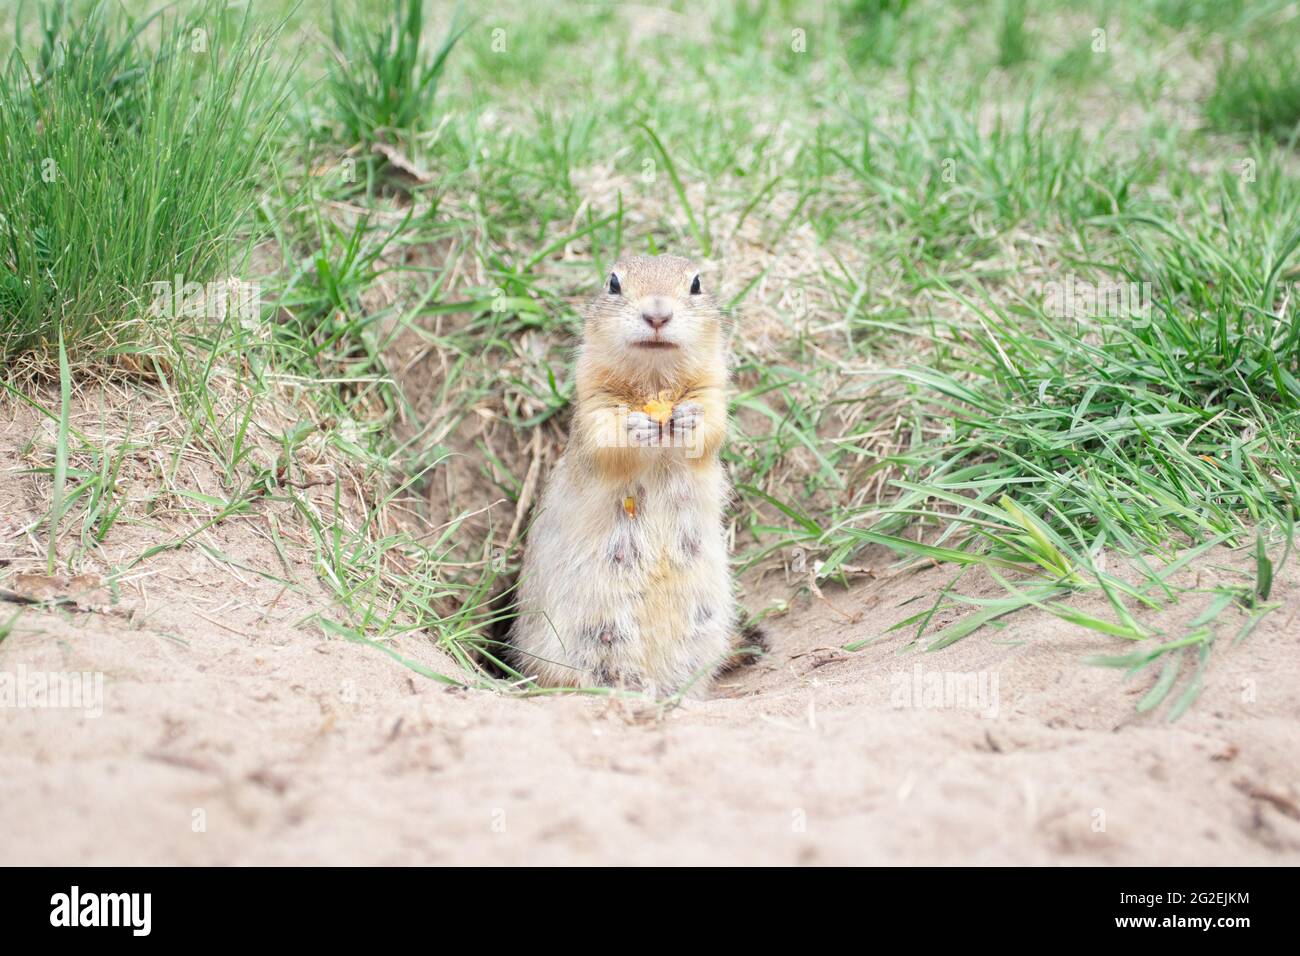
column 695, row 286
column 614, row 287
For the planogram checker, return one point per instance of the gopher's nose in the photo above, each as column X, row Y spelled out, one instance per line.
column 657, row 313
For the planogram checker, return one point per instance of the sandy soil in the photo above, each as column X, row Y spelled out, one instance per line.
column 231, row 734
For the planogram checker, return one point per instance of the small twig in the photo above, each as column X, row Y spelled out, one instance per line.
column 528, row 490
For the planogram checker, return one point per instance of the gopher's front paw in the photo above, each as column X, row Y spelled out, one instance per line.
column 686, row 418
column 642, row 430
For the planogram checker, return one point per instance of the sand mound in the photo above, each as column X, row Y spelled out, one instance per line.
column 233, row 733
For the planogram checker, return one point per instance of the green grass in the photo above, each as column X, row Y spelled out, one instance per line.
column 127, row 162
column 1258, row 91
column 385, row 84
column 887, row 194
column 1014, row 39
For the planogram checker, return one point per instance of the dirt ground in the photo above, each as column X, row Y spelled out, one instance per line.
column 231, row 733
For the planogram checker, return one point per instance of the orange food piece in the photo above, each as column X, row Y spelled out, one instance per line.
column 658, row 409
column 629, row 505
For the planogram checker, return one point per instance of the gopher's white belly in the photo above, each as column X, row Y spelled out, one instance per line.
column 615, row 598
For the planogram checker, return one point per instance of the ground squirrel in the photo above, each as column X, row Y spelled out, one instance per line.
column 625, row 579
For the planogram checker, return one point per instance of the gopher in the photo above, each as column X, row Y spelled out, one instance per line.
column 625, row 580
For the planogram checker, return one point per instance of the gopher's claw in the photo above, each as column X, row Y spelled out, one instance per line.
column 686, row 417
column 642, row 430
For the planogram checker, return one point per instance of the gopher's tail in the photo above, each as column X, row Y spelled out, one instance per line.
column 751, row 644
